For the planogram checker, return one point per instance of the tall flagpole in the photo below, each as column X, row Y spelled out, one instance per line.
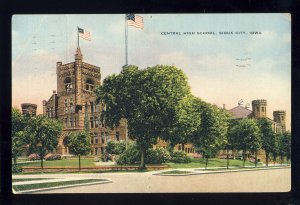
column 126, row 40
column 126, row 63
column 77, row 37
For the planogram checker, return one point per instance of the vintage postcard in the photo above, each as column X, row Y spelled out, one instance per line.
column 151, row 103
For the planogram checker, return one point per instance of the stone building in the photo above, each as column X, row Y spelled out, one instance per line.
column 74, row 104
column 259, row 110
column 29, row 109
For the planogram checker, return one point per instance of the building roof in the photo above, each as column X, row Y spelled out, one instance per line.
column 240, row 112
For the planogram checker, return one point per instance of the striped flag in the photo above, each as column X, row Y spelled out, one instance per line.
column 135, row 20
column 84, row 34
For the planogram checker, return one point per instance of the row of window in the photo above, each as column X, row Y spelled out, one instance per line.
column 50, row 112
column 89, row 84
column 262, row 109
column 104, row 137
column 71, row 122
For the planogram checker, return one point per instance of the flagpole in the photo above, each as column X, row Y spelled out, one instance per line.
column 126, row 40
column 77, row 37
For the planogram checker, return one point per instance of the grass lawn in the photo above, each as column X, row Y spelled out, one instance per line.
column 176, row 172
column 29, row 179
column 25, row 187
column 62, row 163
column 214, row 162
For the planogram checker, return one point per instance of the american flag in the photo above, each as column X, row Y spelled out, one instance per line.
column 84, row 34
column 135, row 20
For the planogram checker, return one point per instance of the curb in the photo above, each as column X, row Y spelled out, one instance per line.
column 60, row 187
column 217, row 172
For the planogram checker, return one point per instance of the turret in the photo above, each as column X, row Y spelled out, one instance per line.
column 29, row 109
column 259, row 108
column 280, row 117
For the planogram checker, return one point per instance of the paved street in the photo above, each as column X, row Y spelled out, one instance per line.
column 273, row 180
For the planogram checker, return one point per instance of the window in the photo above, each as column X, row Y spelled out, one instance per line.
column 66, row 122
column 92, row 122
column 92, row 107
column 102, row 137
column 107, row 137
column 66, row 105
column 70, row 122
column 118, row 136
column 96, row 140
column 89, row 85
column 257, row 109
column 75, row 123
column 282, row 117
column 68, row 84
column 96, row 151
column 262, row 109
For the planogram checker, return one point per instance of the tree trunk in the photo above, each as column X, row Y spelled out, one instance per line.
column 143, row 165
column 281, row 159
column 79, row 162
column 206, row 162
column 15, row 160
column 244, row 157
column 267, row 159
column 227, row 158
column 255, row 158
column 42, row 165
column 274, row 159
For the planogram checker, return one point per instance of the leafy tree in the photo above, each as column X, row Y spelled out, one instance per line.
column 17, row 132
column 146, row 98
column 79, row 144
column 43, row 134
column 187, row 121
column 284, row 146
column 275, row 150
column 231, row 141
column 268, row 137
column 211, row 135
column 246, row 136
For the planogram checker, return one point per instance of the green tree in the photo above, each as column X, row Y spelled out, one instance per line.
column 211, row 135
column 187, row 121
column 284, row 146
column 146, row 98
column 268, row 137
column 18, row 123
column 246, row 136
column 79, row 144
column 231, row 141
column 43, row 134
column 275, row 150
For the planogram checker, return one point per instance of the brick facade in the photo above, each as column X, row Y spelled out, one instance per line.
column 74, row 104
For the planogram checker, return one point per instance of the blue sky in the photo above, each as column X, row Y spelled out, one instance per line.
column 209, row 61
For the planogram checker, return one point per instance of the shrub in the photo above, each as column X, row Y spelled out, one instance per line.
column 157, row 156
column 51, row 156
column 16, row 169
column 133, row 156
column 129, row 156
column 115, row 147
column 180, row 157
column 33, row 157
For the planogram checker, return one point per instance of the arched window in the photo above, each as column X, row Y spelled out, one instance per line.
column 90, row 85
column 68, row 84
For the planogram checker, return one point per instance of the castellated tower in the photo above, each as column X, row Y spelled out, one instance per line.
column 259, row 108
column 29, row 109
column 279, row 117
